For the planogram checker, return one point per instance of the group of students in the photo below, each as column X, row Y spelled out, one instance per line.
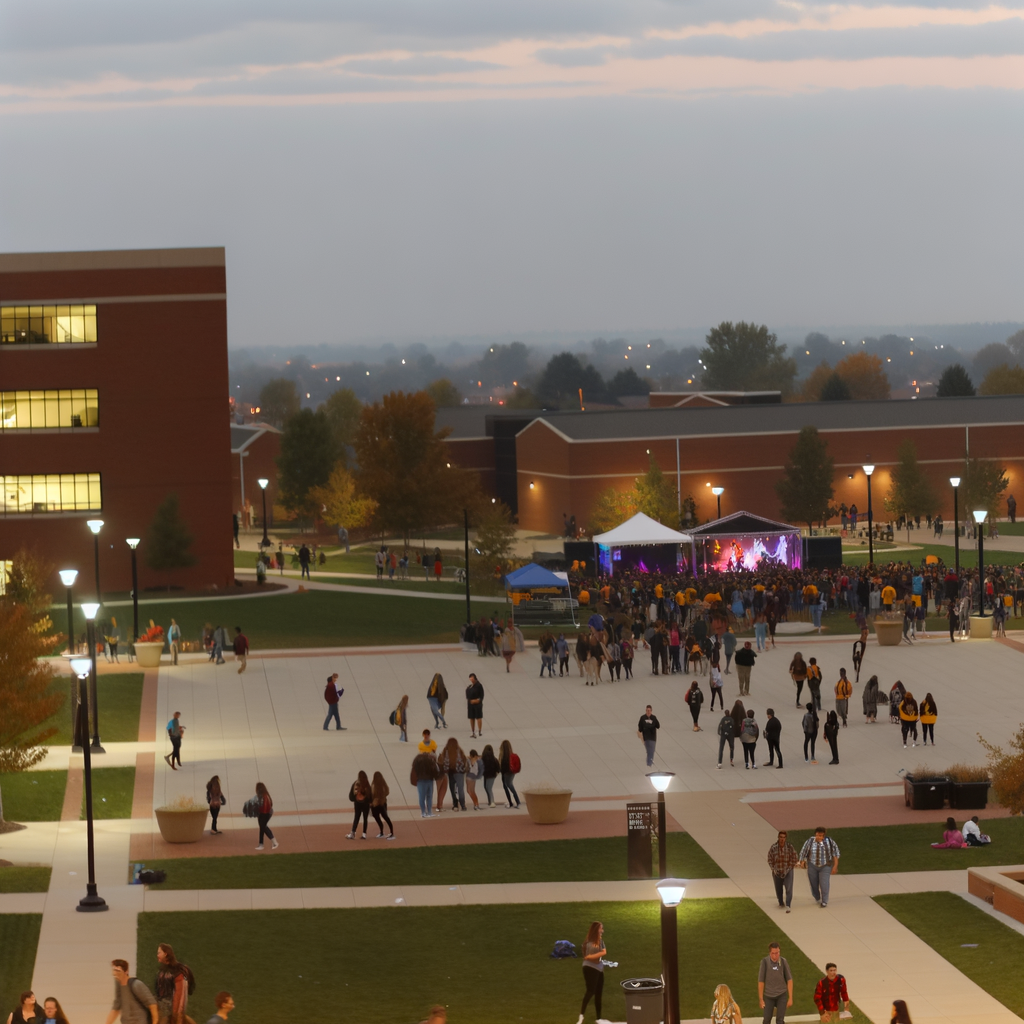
column 455, row 770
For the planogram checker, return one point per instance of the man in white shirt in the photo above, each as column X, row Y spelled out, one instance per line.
column 972, row 832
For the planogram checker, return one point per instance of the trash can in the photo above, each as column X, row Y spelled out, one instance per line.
column 645, row 999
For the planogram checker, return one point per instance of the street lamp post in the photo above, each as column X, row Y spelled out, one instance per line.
column 465, row 519
column 980, row 515
column 955, row 483
column 868, row 470
column 133, row 543
column 671, row 891
column 96, row 525
column 718, row 492
column 84, row 668
column 263, row 481
column 669, row 967
column 68, row 577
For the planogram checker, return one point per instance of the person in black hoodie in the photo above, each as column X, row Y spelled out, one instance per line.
column 810, row 726
column 772, row 732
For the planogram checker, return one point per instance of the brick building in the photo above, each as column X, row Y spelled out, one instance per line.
column 114, row 385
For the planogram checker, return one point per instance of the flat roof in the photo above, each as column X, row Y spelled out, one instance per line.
column 110, row 259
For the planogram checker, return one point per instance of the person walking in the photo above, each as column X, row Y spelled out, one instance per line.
column 844, row 691
column 929, row 715
column 694, row 698
column 224, row 1003
column 220, row 641
column 454, row 764
column 729, row 646
column 744, row 663
column 172, row 985
column 727, row 734
column 626, row 651
column 772, row 733
column 508, row 646
column 546, row 646
column 379, row 792
column 594, row 952
column 54, row 1011
column 174, row 639
column 859, row 647
column 774, row 985
column 830, row 995
column 647, row 730
column 724, row 1009
column 814, row 683
column 831, row 733
column 869, row 700
column 304, row 560
column 215, row 800
column 810, row 727
column 491, row 769
column 475, row 705
column 28, row 1010
column 437, row 697
column 782, row 859
column 820, row 855
column 798, row 673
column 264, row 812
column 241, row 648
column 562, row 653
column 748, row 737
column 715, row 685
column 909, row 716
column 133, row 1002
column 333, row 697
column 176, row 732
column 510, row 768
column 400, row 717
column 424, row 772
column 360, row 794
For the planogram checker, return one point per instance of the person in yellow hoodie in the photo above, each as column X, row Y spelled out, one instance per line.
column 909, row 716
column 929, row 715
column 844, row 690
column 888, row 596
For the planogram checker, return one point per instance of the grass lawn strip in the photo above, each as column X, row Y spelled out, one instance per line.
column 112, row 793
column 338, row 959
column 948, row 924
column 884, row 849
column 24, row 879
column 19, row 937
column 120, row 700
column 554, row 860
column 33, row 796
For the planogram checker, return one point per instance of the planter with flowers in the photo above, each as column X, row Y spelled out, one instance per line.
column 182, row 821
column 150, row 646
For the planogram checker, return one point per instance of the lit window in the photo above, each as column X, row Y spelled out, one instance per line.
column 49, row 410
column 47, row 325
column 51, row 492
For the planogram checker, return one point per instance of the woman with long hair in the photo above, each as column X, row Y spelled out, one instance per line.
column 831, row 732
column 798, row 673
column 508, row 645
column 929, row 714
column 695, row 697
column 593, row 968
column 725, row 1010
column 900, row 1013
column 952, row 837
column 509, row 764
column 909, row 716
column 454, row 764
column 54, row 1011
column 215, row 798
column 360, row 794
column 491, row 769
column 28, row 1011
column 171, row 988
column 402, row 719
column 869, row 700
column 379, row 805
column 263, row 815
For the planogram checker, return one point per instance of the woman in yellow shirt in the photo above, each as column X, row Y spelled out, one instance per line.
column 909, row 717
column 929, row 716
column 844, row 691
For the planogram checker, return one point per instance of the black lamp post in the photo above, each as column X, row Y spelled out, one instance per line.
column 718, row 492
column 955, row 483
column 465, row 519
column 669, row 942
column 96, row 525
column 263, row 481
column 868, row 470
column 84, row 668
column 980, row 516
column 133, row 543
column 68, row 577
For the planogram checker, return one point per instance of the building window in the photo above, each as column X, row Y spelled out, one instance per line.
column 49, row 410
column 47, row 325
column 35, row 494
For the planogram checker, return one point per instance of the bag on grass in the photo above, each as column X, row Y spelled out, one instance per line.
column 152, row 877
column 563, row 949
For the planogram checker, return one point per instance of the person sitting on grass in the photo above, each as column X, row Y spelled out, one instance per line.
column 952, row 838
column 973, row 836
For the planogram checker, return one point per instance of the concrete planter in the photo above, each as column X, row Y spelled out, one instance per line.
column 981, row 628
column 889, row 634
column 181, row 826
column 148, row 652
column 548, row 808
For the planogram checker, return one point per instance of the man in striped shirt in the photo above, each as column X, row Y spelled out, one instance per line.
column 820, row 855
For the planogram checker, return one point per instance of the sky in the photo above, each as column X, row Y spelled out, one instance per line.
column 408, row 169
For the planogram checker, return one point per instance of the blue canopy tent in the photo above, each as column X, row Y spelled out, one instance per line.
column 533, row 583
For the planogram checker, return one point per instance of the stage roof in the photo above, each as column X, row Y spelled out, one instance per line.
column 741, row 523
column 641, row 529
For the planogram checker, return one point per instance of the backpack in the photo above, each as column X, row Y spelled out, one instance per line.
column 514, row 764
column 393, row 717
column 810, row 724
column 327, row 693
column 727, row 728
column 563, row 949
column 187, row 971
column 251, row 807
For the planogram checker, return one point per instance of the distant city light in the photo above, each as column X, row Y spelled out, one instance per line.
column 403, row 362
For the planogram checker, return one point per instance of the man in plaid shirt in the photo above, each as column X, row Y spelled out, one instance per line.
column 782, row 858
column 820, row 855
column 831, row 996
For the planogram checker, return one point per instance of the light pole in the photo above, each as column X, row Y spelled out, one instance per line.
column 96, row 525
column 671, row 891
column 68, row 577
column 89, row 610
column 868, row 470
column 263, row 481
column 718, row 492
column 980, row 514
column 661, row 781
column 465, row 519
column 955, row 484
column 133, row 543
column 84, row 668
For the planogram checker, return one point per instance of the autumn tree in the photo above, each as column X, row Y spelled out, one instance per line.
column 1006, row 769
column 911, row 493
column 814, row 383
column 342, row 410
column 308, row 456
column 339, row 501
column 168, row 538
column 1003, row 380
column 612, row 507
column 746, row 357
column 865, row 376
column 444, row 393
column 279, row 401
column 805, row 490
column 955, row 382
column 495, row 536
column 982, row 483
column 653, row 494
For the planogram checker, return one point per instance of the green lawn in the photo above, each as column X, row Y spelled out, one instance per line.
column 389, row 965
column 554, row 860
column 984, row 949
column 33, row 796
column 968, row 553
column 112, row 792
column 878, row 849
column 19, row 937
column 119, row 697
column 23, row 879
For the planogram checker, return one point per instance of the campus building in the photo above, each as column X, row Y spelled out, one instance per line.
column 113, row 387
column 546, row 464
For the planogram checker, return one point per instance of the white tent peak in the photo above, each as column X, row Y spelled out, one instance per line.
column 641, row 529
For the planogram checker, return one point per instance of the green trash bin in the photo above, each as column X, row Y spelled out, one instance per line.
column 645, row 1000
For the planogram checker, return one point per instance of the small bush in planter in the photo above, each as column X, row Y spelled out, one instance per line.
column 183, row 804
column 967, row 773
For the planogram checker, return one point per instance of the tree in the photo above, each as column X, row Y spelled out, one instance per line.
column 279, row 401
column 989, row 357
column 955, row 382
column 911, row 493
column 746, row 357
column 815, row 382
column 865, row 376
column 612, row 507
column 342, row 411
column 168, row 539
column 404, row 465
column 339, row 503
column 308, row 455
column 1003, row 380
column 444, row 393
column 559, row 385
column 495, row 538
column 628, row 382
column 835, row 389
column 522, row 398
column 503, row 365
column 1015, row 343
column 1006, row 769
column 805, row 490
column 982, row 483
column 653, row 494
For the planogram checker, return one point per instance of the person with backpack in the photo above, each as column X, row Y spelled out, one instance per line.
column 772, row 732
column 726, row 734
column 333, row 696
column 133, row 1001
column 810, row 727
column 360, row 795
column 174, row 640
column 844, row 691
column 437, row 697
column 264, row 812
column 174, row 984
column 379, row 792
column 510, row 767
column 694, row 698
column 748, row 737
column 626, row 653
column 400, row 717
column 814, row 683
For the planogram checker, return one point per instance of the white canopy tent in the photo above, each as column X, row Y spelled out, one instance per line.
column 641, row 529
column 660, row 546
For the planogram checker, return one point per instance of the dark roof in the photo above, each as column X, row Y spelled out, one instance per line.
column 474, row 421
column 741, row 523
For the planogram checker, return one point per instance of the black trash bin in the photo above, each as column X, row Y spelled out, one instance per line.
column 645, row 999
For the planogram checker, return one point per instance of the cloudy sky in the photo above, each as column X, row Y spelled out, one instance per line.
column 416, row 168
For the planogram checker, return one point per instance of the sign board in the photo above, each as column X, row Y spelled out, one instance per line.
column 639, row 849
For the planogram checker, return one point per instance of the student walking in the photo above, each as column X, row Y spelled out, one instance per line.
column 437, row 697
column 869, row 700
column 772, row 733
column 744, row 663
column 725, row 1010
column 831, row 732
column 360, row 794
column 265, row 811
column 333, row 697
column 240, row 646
column 782, row 859
column 844, row 691
column 174, row 639
column 379, row 792
column 726, row 734
column 820, row 855
column 400, row 717
column 215, row 800
column 814, row 683
column 220, row 641
column 715, row 683
column 798, row 673
column 176, row 732
column 594, row 952
column 909, row 716
column 510, row 768
column 810, row 727
column 133, row 1000
column 475, row 705
column 491, row 768
column 626, row 648
column 647, row 730
column 173, row 979
column 774, row 985
column 748, row 737
column 830, row 995
column 694, row 698
column 562, row 653
column 929, row 715
column 859, row 647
